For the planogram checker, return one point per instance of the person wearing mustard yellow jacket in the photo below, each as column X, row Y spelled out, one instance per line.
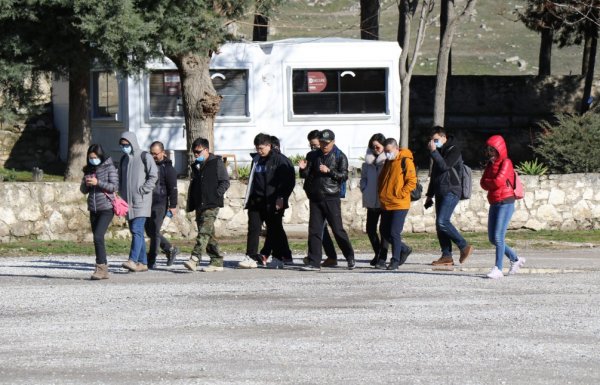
column 395, row 185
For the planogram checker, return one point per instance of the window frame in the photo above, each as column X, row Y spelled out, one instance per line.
column 94, row 88
column 292, row 116
column 176, row 119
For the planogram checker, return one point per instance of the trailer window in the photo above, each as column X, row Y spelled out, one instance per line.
column 232, row 85
column 339, row 91
column 105, row 95
column 165, row 93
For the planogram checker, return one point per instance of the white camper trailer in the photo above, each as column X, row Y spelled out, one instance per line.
column 284, row 88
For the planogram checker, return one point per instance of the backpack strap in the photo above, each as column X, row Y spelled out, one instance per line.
column 453, row 167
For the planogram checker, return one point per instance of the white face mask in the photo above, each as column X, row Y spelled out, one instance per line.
column 390, row 155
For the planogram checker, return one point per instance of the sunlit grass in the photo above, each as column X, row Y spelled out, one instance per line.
column 422, row 242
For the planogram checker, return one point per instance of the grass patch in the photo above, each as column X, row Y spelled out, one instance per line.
column 12, row 175
column 420, row 242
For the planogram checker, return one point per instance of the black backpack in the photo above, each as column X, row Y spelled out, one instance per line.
column 415, row 194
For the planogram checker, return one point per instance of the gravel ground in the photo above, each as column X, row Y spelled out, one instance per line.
column 414, row 326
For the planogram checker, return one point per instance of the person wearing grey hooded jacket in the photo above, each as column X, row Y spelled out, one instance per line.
column 137, row 177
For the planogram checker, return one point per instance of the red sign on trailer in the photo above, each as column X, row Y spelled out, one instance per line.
column 317, row 81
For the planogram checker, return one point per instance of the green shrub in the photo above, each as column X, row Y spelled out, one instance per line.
column 9, row 175
column 244, row 172
column 532, row 167
column 570, row 145
column 296, row 158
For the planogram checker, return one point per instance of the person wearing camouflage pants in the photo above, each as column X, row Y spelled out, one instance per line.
column 208, row 185
column 205, row 240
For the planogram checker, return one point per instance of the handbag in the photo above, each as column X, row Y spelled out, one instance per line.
column 120, row 207
column 518, row 187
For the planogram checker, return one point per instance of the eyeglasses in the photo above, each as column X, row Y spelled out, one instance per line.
column 198, row 151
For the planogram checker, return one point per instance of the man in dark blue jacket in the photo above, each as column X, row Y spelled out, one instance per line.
column 207, row 188
column 445, row 188
column 164, row 202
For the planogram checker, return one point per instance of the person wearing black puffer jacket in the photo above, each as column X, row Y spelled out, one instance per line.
column 324, row 172
column 271, row 183
column 100, row 180
column 445, row 188
column 164, row 202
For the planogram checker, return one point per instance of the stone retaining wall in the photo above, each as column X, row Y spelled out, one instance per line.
column 57, row 210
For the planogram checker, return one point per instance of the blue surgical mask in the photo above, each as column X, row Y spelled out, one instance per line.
column 94, row 161
column 200, row 159
column 126, row 149
column 438, row 144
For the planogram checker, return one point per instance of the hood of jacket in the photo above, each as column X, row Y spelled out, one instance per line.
column 404, row 153
column 370, row 157
column 499, row 144
column 449, row 143
column 131, row 138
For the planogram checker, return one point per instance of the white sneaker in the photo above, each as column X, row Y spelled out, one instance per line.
column 495, row 273
column 275, row 264
column 515, row 266
column 247, row 263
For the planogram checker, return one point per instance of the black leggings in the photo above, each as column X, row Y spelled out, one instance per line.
column 100, row 221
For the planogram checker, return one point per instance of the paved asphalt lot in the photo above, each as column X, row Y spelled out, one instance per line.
column 414, row 326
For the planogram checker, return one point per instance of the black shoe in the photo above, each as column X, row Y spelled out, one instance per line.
column 374, row 261
column 393, row 266
column 381, row 265
column 310, row 268
column 151, row 266
column 351, row 263
column 171, row 255
column 404, row 254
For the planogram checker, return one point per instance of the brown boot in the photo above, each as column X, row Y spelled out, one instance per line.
column 443, row 261
column 140, row 267
column 101, row 272
column 465, row 253
column 329, row 262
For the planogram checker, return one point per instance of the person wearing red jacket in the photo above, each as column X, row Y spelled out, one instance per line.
column 497, row 181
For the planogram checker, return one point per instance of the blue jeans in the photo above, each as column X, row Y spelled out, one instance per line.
column 498, row 220
column 446, row 232
column 392, row 223
column 138, row 244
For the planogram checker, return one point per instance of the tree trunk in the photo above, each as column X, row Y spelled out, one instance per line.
column 545, row 58
column 369, row 19
column 589, row 76
column 443, row 62
column 80, row 131
column 587, row 47
column 260, row 30
column 407, row 10
column 404, row 22
column 200, row 100
column 404, row 112
column 447, row 6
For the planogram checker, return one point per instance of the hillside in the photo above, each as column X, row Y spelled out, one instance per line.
column 482, row 43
